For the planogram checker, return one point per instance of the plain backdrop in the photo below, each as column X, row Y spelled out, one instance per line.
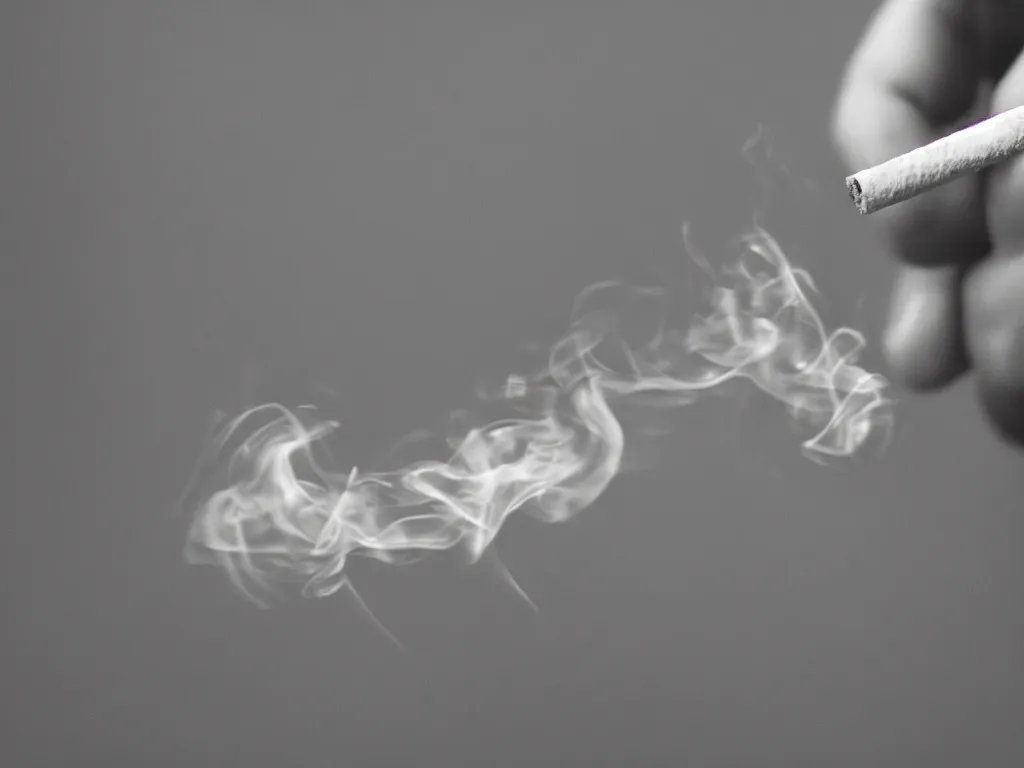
column 375, row 206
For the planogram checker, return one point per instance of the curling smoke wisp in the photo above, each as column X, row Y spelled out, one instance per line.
column 284, row 518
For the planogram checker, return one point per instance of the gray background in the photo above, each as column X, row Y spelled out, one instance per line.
column 391, row 198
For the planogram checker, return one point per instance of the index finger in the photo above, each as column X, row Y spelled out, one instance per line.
column 917, row 71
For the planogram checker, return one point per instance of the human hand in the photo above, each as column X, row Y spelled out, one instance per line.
column 923, row 68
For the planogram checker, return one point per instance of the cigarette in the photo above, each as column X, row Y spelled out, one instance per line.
column 969, row 150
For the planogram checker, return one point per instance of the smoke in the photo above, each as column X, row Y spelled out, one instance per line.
column 282, row 518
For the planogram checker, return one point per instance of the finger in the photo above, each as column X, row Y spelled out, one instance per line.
column 924, row 342
column 994, row 323
column 919, row 68
column 1005, row 181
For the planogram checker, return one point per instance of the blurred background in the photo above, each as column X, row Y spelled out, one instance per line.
column 373, row 206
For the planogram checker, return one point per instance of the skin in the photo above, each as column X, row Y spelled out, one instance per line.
column 922, row 69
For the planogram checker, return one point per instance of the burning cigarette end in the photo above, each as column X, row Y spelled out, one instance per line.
column 281, row 516
column 969, row 150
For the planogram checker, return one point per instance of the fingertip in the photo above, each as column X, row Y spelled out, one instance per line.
column 994, row 322
column 923, row 341
column 1003, row 408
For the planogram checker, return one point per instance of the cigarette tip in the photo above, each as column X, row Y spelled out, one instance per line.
column 856, row 193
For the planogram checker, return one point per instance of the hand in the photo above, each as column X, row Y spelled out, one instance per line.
column 923, row 68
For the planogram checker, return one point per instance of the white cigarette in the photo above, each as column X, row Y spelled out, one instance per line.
column 971, row 149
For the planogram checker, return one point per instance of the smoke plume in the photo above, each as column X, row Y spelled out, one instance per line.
column 282, row 518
